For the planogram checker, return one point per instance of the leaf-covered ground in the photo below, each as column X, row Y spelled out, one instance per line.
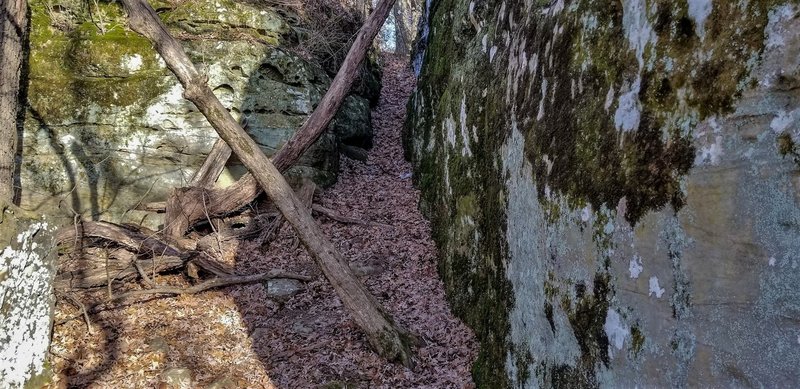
column 239, row 337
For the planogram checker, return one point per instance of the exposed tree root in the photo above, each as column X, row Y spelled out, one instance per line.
column 115, row 252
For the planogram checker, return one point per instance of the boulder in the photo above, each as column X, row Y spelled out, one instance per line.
column 352, row 124
column 176, row 378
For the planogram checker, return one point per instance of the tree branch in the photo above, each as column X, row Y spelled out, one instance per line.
column 383, row 334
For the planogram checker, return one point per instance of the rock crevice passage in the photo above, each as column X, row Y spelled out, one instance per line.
column 281, row 334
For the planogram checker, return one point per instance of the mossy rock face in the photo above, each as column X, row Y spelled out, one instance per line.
column 368, row 83
column 107, row 126
column 227, row 19
column 585, row 165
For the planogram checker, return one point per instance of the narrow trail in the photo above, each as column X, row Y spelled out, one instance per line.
column 239, row 337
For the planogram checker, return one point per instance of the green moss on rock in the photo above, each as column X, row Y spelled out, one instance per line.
column 637, row 340
column 227, row 20
column 107, row 119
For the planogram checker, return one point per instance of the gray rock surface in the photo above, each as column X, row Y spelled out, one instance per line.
column 607, row 192
column 176, row 378
column 283, row 287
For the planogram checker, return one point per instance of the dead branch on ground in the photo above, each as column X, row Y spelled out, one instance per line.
column 333, row 215
column 218, row 282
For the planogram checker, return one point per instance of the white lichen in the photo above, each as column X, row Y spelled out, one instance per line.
column 699, row 10
column 784, row 120
column 640, row 34
column 465, row 150
column 775, row 31
column 655, row 288
column 526, row 268
column 540, row 114
column 132, row 63
column 554, row 9
column 629, row 110
column 615, row 330
column 586, row 214
column 26, row 298
column 637, row 27
column 709, row 154
column 609, row 228
column 166, row 111
column 635, row 266
column 609, row 98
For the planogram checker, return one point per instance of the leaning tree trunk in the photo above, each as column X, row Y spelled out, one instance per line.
column 182, row 212
column 14, row 19
column 383, row 334
column 406, row 15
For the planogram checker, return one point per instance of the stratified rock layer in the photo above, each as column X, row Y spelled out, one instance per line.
column 107, row 125
column 606, row 189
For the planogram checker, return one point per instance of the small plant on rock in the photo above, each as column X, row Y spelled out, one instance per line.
column 787, row 146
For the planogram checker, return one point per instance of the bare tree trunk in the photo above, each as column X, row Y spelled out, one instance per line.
column 384, row 335
column 406, row 14
column 26, row 259
column 246, row 189
column 14, row 19
column 401, row 44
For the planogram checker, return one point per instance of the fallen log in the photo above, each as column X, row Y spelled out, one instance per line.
column 185, row 206
column 156, row 206
column 134, row 241
column 120, row 266
column 213, row 165
column 385, row 336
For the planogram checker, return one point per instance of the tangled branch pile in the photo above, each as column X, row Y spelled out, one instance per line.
column 199, row 218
